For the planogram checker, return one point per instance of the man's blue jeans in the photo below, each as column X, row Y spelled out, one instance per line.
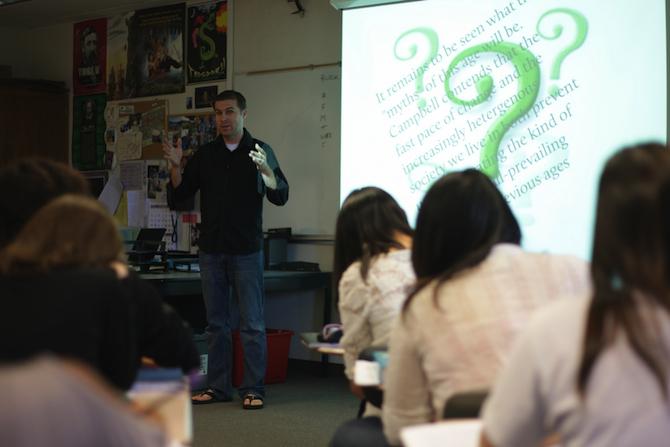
column 243, row 275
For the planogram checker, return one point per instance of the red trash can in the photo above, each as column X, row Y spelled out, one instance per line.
column 279, row 342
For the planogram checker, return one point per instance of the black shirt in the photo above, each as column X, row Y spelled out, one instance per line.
column 231, row 195
column 90, row 315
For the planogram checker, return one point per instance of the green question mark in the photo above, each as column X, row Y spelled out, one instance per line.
column 582, row 28
column 432, row 38
column 528, row 68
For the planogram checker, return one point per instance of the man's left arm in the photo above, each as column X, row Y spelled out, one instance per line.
column 274, row 184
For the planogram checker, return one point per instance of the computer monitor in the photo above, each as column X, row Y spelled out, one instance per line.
column 146, row 245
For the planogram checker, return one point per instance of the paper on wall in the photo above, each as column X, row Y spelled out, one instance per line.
column 111, row 193
column 129, row 145
column 132, row 175
column 136, row 208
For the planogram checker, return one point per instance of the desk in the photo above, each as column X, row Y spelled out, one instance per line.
column 462, row 433
column 310, row 341
column 188, row 283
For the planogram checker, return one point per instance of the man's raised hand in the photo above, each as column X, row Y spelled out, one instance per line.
column 259, row 157
column 172, row 153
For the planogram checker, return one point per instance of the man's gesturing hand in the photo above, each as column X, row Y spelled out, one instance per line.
column 258, row 156
column 260, row 159
column 172, row 153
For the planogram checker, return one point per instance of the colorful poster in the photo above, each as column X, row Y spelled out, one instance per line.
column 204, row 96
column 89, row 57
column 117, row 56
column 88, row 132
column 140, row 128
column 207, row 28
column 156, row 51
column 194, row 130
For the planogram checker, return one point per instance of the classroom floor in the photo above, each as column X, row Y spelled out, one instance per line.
column 303, row 411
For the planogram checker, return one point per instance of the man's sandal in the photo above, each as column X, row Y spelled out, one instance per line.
column 252, row 401
column 207, row 397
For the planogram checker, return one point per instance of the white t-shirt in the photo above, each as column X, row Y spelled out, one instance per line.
column 536, row 393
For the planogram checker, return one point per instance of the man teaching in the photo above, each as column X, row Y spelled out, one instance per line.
column 233, row 173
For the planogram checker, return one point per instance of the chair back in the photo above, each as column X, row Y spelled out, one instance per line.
column 464, row 405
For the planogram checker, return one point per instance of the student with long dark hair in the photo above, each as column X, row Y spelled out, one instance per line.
column 476, row 288
column 372, row 270
column 596, row 370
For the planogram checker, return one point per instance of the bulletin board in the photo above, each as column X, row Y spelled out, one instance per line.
column 139, row 128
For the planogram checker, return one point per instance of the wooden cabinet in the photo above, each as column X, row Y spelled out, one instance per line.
column 33, row 120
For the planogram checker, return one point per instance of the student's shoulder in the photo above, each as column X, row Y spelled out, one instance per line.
column 425, row 302
column 85, row 275
column 139, row 285
column 395, row 265
column 82, row 284
column 555, row 258
column 561, row 317
column 543, row 259
column 352, row 275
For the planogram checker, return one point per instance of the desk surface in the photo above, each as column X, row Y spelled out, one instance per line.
column 311, row 341
column 188, row 283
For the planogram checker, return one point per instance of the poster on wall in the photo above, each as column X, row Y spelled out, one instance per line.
column 88, row 132
column 193, row 129
column 156, row 51
column 117, row 56
column 140, row 129
column 89, row 57
column 158, row 176
column 206, row 34
column 204, row 96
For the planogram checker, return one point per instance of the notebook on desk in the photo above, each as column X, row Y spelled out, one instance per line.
column 310, row 340
column 462, row 433
column 165, row 392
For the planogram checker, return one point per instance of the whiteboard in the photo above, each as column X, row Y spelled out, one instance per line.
column 298, row 114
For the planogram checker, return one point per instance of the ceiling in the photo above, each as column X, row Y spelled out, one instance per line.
column 39, row 13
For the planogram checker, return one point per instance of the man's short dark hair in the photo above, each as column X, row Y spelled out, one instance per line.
column 232, row 94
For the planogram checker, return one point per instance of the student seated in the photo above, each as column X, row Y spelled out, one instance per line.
column 476, row 289
column 61, row 403
column 596, row 370
column 28, row 184
column 67, row 291
column 373, row 270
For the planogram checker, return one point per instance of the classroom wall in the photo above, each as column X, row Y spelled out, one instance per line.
column 265, row 36
column 13, row 54
column 268, row 36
